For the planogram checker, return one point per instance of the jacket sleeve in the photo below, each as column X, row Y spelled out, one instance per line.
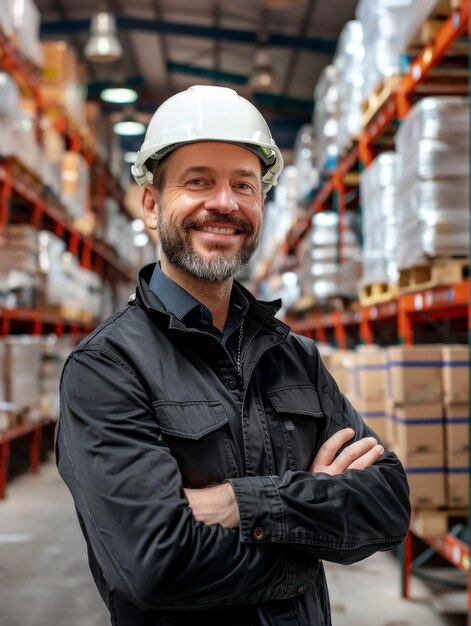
column 127, row 490
column 343, row 518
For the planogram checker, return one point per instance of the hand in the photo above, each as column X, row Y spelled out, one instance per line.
column 358, row 455
column 214, row 505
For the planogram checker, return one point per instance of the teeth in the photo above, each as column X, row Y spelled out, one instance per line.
column 219, row 231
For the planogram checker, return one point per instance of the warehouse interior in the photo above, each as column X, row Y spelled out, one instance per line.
column 366, row 239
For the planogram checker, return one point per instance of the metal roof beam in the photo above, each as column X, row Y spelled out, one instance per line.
column 318, row 45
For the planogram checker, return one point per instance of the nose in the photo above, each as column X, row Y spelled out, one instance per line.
column 222, row 199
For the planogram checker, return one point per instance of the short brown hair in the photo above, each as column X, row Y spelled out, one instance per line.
column 160, row 175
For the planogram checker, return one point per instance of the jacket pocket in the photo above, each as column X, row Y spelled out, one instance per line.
column 298, row 411
column 199, row 437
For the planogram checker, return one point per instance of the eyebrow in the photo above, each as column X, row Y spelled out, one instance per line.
column 204, row 169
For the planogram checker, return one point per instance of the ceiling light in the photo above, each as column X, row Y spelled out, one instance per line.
column 130, row 157
column 138, row 225
column 103, row 44
column 264, row 77
column 141, row 240
column 129, row 128
column 119, row 95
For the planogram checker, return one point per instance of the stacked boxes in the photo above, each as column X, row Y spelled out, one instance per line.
column 19, row 267
column 455, row 380
column 366, row 388
column 62, row 82
column 54, row 353
column 414, row 405
column 22, row 372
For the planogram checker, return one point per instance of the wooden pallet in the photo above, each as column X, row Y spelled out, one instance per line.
column 386, row 87
column 438, row 272
column 435, row 522
column 375, row 293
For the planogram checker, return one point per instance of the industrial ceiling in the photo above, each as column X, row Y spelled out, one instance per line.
column 171, row 44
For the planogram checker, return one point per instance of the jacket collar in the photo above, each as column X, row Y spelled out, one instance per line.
column 262, row 311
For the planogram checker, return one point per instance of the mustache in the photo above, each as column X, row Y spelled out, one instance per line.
column 223, row 220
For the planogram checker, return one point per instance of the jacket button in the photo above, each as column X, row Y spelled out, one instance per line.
column 280, row 330
column 258, row 534
column 302, row 588
column 232, row 384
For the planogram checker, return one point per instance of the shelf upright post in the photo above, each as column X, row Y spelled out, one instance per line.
column 5, row 197
column 366, row 328
column 468, row 525
column 340, row 332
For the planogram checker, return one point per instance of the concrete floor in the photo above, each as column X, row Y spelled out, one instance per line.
column 45, row 581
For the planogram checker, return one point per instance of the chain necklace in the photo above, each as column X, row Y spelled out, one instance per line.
column 239, row 347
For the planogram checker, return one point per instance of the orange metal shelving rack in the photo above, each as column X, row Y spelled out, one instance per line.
column 43, row 212
column 409, row 309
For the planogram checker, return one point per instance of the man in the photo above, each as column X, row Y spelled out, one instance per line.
column 212, row 459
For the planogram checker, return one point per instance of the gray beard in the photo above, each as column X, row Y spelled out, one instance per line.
column 181, row 254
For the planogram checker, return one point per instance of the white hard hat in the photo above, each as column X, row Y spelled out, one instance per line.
column 207, row 113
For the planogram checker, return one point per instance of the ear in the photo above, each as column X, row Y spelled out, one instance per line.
column 149, row 201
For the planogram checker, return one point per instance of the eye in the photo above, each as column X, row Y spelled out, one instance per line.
column 195, row 182
column 244, row 187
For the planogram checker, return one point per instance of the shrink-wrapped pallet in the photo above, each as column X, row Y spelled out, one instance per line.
column 389, row 26
column 323, row 275
column 378, row 193
column 326, row 118
column 433, row 203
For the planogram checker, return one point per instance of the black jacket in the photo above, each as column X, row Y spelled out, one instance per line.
column 149, row 406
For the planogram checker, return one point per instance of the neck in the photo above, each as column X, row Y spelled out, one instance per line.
column 214, row 295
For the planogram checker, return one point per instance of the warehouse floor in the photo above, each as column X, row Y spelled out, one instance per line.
column 44, row 577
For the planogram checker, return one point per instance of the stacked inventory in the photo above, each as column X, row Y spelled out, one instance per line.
column 378, row 199
column 415, row 398
column 338, row 96
column 455, row 385
column 388, row 26
column 322, row 275
column 432, row 144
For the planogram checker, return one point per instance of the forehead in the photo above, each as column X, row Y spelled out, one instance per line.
column 214, row 155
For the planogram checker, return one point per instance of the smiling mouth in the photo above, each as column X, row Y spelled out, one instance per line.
column 218, row 230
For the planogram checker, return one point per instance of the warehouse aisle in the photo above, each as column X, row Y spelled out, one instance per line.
column 44, row 577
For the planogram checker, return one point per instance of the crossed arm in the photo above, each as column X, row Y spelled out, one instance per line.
column 218, row 504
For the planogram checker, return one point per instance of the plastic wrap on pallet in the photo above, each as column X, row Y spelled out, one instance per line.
column 388, row 25
column 322, row 276
column 22, row 369
column 378, row 193
column 305, row 153
column 435, row 158
column 9, row 96
column 420, row 241
column 433, row 140
column 433, row 204
column 326, row 118
column 348, row 59
column 434, row 117
column 26, row 23
column 434, row 220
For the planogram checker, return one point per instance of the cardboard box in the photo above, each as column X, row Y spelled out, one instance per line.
column 339, row 362
column 418, row 428
column 455, row 373
column 414, row 374
column 426, row 477
column 456, row 429
column 457, row 481
column 374, row 415
column 59, row 65
column 22, row 370
column 366, row 374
